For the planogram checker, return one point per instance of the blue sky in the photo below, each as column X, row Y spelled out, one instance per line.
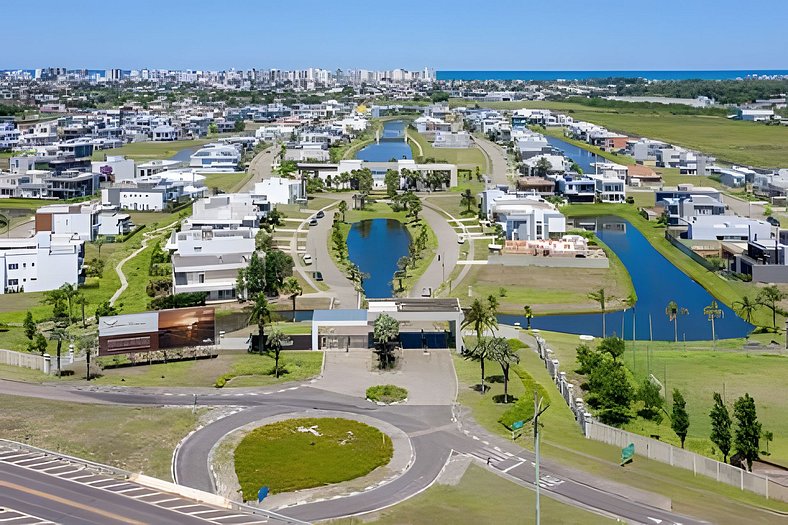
column 457, row 34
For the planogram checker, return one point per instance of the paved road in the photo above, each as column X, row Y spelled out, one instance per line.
column 496, row 154
column 448, row 249
column 743, row 208
column 433, row 435
column 260, row 166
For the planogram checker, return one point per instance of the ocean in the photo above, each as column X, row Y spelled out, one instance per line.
column 731, row 74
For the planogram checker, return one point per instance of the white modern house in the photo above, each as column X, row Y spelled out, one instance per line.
column 164, row 133
column 113, row 223
column 216, row 157
column 609, row 188
column 80, row 221
column 524, row 217
column 728, row 228
column 231, row 211
column 279, row 190
column 114, row 168
column 40, row 263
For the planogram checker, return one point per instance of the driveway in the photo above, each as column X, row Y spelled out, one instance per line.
column 429, row 378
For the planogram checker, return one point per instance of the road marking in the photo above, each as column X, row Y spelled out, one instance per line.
column 107, row 487
column 507, row 469
column 158, row 501
column 69, row 503
column 655, row 520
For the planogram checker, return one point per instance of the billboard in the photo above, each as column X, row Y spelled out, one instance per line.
column 149, row 331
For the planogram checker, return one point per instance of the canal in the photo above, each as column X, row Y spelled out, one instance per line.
column 392, row 144
column 375, row 246
column 657, row 282
column 582, row 157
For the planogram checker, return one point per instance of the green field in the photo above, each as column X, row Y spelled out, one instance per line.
column 731, row 141
column 139, row 439
column 479, row 497
column 226, row 182
column 563, row 442
column 284, row 459
column 463, row 157
column 145, row 151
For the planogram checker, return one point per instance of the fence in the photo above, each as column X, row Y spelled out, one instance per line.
column 653, row 449
column 689, row 252
column 34, row 361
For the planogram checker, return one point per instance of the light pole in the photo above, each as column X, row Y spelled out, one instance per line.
column 538, row 411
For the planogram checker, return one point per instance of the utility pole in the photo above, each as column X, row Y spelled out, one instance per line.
column 538, row 411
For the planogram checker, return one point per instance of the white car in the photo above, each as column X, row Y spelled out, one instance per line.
column 307, row 259
column 461, row 239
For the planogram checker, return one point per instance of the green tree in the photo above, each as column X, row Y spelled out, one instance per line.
column 679, row 418
column 746, row 308
column 278, row 266
column 611, row 392
column 770, row 297
column 652, row 400
column 263, row 241
column 254, row 276
column 481, row 318
column 712, row 312
column 59, row 335
column 105, row 309
column 542, row 167
column 260, row 314
column 29, row 326
column 275, row 341
column 529, row 314
column 57, row 299
column 600, row 297
column 746, row 439
column 392, row 182
column 721, row 426
column 342, row 208
column 70, row 293
column 415, row 208
column 239, row 126
column 82, row 301
column 467, row 199
column 38, row 344
column 673, row 311
column 500, row 351
column 613, row 346
column 213, row 129
column 385, row 330
column 768, row 436
column 587, row 359
column 293, row 288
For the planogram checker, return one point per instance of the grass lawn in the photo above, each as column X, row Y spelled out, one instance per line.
column 284, row 459
column 227, row 182
column 139, row 439
column 563, row 442
column 748, row 143
column 248, row 370
column 463, row 157
column 479, row 497
column 145, row 151
column 23, row 204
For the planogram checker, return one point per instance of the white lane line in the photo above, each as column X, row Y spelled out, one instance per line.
column 60, row 473
column 107, row 487
column 507, row 469
column 158, row 501
column 50, row 462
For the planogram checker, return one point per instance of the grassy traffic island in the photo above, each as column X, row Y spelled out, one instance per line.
column 298, row 454
column 387, row 394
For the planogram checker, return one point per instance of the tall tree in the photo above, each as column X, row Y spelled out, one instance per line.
column 260, row 314
column 276, row 340
column 342, row 208
column 59, row 335
column 467, row 200
column 721, row 426
column 712, row 312
column 529, row 314
column 82, row 301
column 613, row 346
column 652, row 400
column 679, row 418
column 29, row 326
column 392, row 182
column 746, row 439
column 746, row 308
column 38, row 344
column 481, row 318
column 770, row 297
column 278, row 266
column 673, row 311
column 415, row 208
column 254, row 276
column 500, row 351
column 385, row 331
column 611, row 391
column 292, row 287
column 600, row 297
column 70, row 292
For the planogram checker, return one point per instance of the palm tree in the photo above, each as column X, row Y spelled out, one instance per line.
column 746, row 308
column 58, row 334
column 600, row 297
column 292, row 287
column 69, row 293
column 276, row 340
column 673, row 312
column 466, row 199
column 529, row 314
column 481, row 317
column 385, row 330
column 342, row 209
column 82, row 302
column 713, row 311
column 499, row 350
column 261, row 312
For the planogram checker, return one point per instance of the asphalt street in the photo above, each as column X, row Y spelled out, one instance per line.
column 434, row 435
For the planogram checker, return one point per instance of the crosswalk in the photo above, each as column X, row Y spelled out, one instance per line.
column 99, row 479
column 15, row 517
column 507, row 462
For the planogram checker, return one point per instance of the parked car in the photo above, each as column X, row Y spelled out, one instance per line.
column 461, row 239
column 320, row 214
column 318, row 276
column 773, row 221
column 307, row 259
column 426, row 291
column 313, row 222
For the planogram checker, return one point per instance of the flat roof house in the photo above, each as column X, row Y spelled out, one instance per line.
column 78, row 220
column 40, row 263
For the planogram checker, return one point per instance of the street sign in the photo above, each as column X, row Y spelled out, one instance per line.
column 261, row 494
column 517, row 425
column 627, row 453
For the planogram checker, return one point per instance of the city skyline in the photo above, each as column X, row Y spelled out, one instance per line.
column 411, row 35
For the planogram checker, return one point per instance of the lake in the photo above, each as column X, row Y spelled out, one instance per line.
column 375, row 246
column 392, row 144
column 657, row 282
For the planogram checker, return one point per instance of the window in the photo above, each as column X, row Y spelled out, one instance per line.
column 13, row 266
column 13, row 282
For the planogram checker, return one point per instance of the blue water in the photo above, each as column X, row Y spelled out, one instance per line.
column 657, row 282
column 392, row 145
column 184, row 155
column 582, row 157
column 375, row 246
column 584, row 75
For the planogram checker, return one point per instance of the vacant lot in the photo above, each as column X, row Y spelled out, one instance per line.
column 145, row 151
column 226, row 182
column 139, row 439
column 285, row 456
column 468, row 158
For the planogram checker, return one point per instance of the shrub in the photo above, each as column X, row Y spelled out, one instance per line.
column 386, row 394
column 179, row 300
